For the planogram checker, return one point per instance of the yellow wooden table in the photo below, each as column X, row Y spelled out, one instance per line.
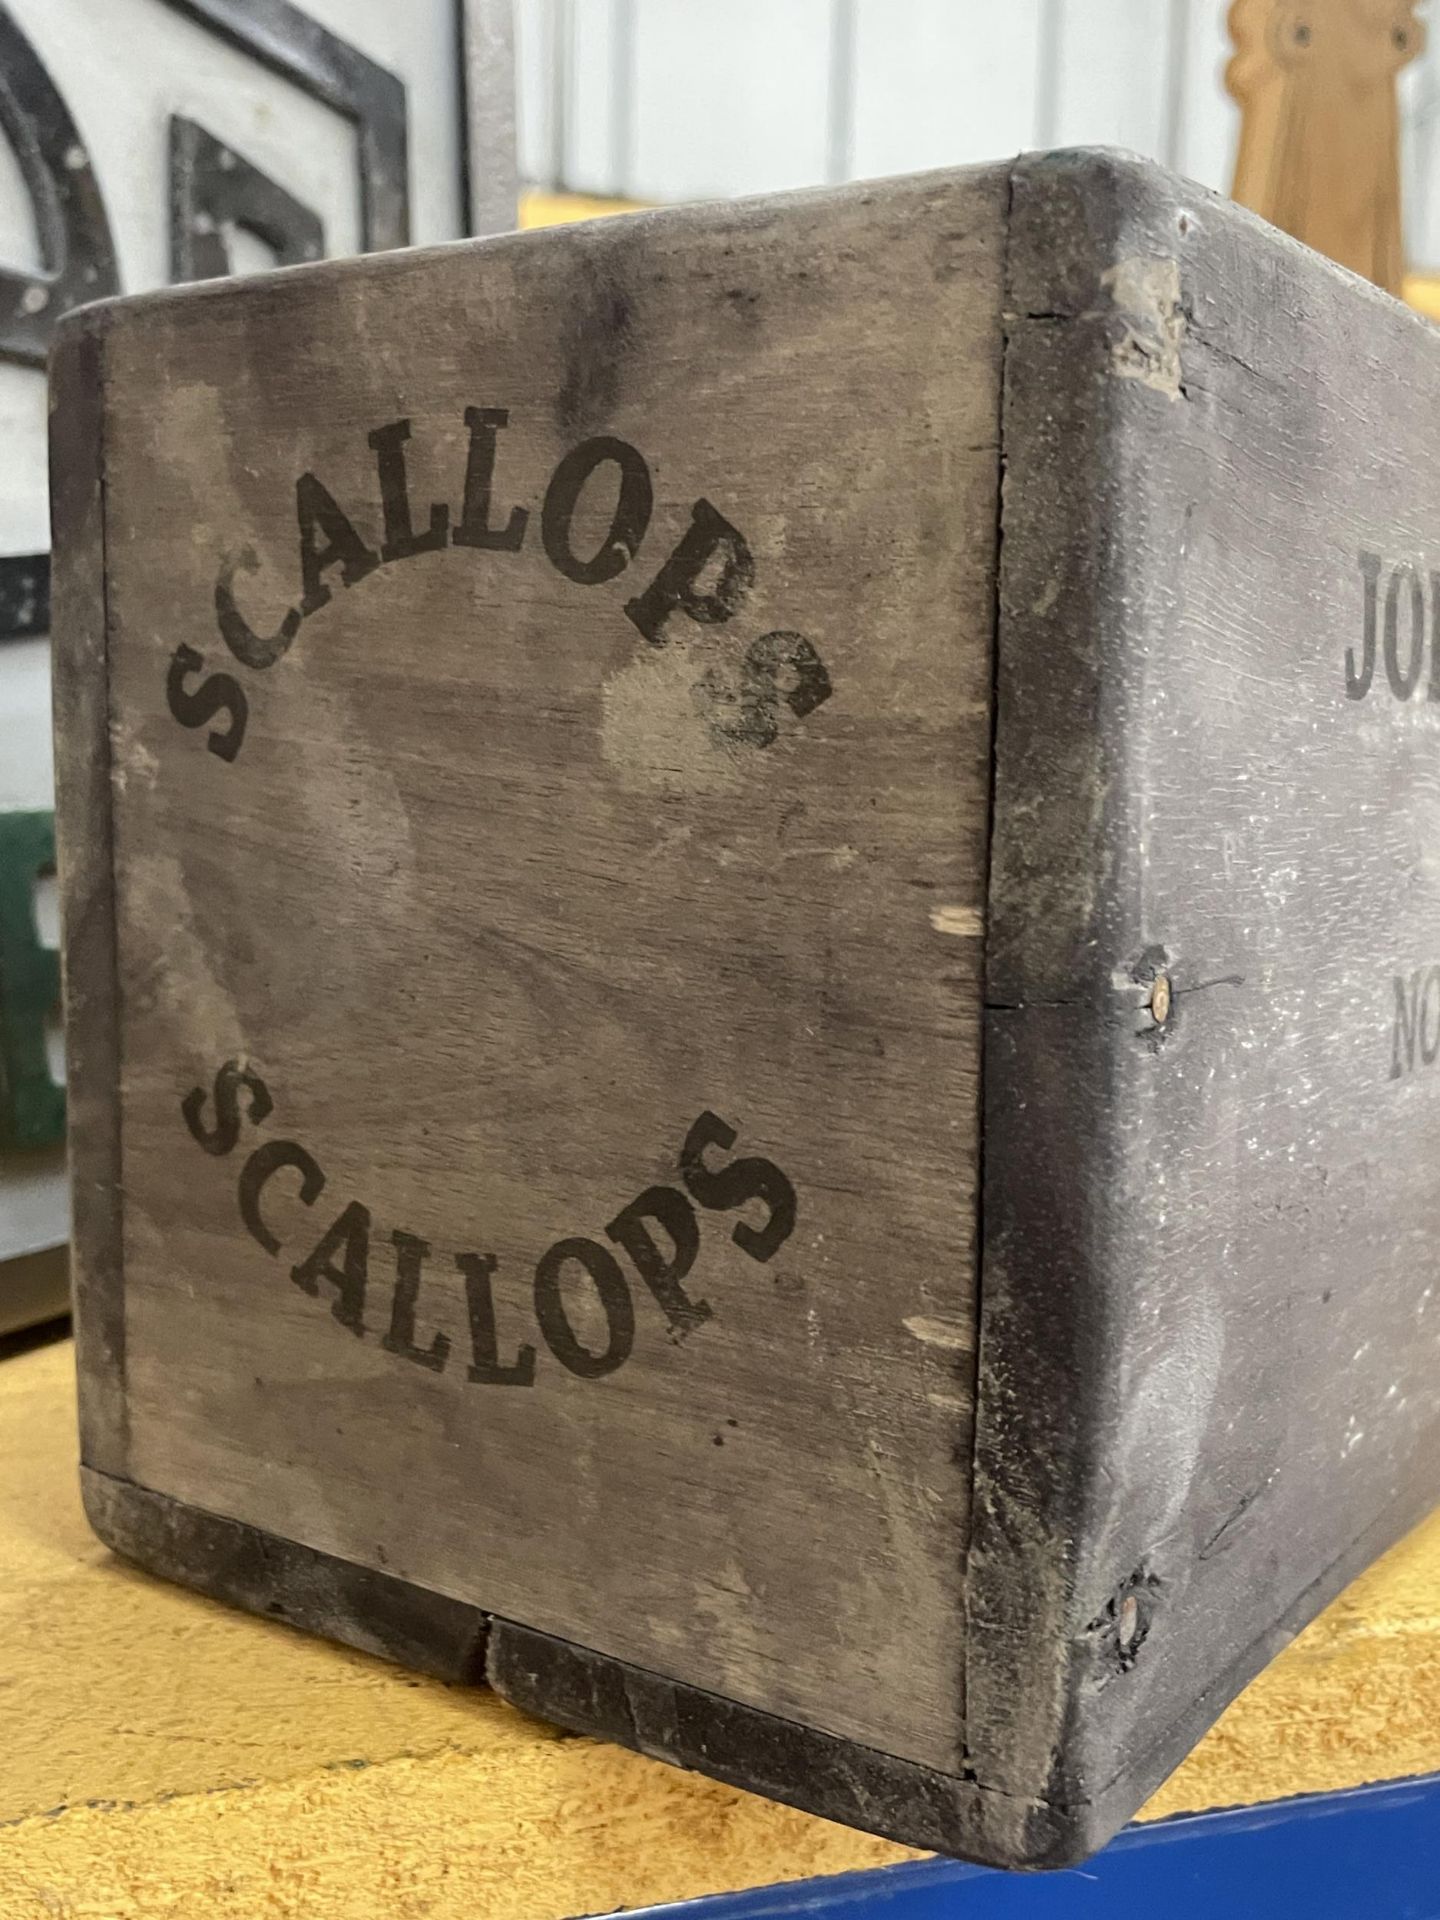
column 164, row 1756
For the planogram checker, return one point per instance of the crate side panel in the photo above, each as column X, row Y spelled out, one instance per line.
column 1212, row 1055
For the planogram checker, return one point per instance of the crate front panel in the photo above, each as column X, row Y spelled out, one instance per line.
column 593, row 1240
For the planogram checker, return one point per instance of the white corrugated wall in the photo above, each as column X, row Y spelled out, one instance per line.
column 693, row 99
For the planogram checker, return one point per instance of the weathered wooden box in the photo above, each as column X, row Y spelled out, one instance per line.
column 753, row 948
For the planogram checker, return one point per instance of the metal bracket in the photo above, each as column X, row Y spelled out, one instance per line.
column 328, row 68
column 75, row 242
column 212, row 187
column 24, row 595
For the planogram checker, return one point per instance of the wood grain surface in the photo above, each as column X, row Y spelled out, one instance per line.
column 84, row 802
column 537, row 881
column 1319, row 147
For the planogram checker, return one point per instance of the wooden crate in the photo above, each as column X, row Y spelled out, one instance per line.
column 752, row 969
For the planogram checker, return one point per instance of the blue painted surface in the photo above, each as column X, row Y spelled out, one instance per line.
column 1373, row 1854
